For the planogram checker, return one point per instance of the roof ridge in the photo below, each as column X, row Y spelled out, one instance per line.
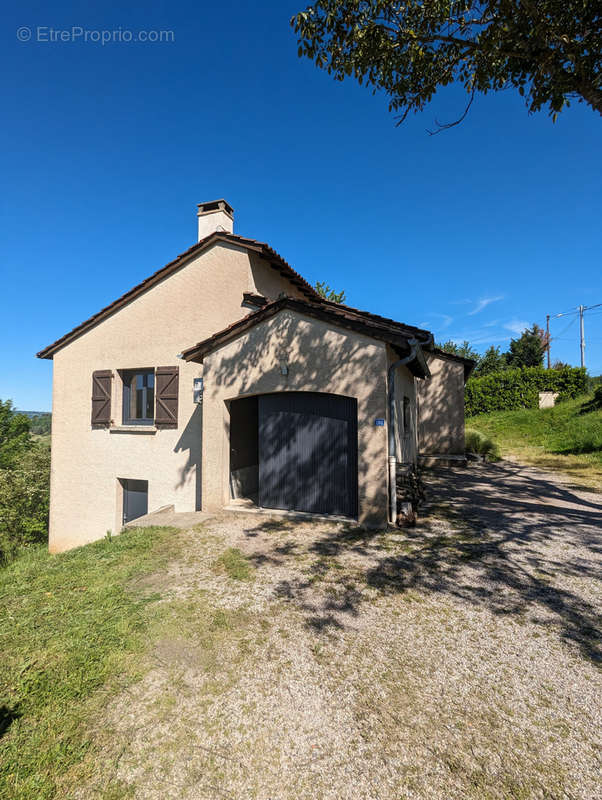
column 350, row 321
column 385, row 320
column 265, row 250
column 282, row 301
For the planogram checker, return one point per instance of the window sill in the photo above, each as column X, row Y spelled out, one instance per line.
column 133, row 429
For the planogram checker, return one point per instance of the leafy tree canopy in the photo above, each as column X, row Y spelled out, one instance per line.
column 492, row 360
column 525, row 351
column 464, row 350
column 528, row 350
column 324, row 290
column 548, row 50
column 14, row 434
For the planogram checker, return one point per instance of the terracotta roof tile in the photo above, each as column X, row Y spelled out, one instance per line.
column 276, row 261
column 394, row 333
column 250, row 244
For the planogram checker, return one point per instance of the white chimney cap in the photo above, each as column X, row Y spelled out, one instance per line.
column 214, row 215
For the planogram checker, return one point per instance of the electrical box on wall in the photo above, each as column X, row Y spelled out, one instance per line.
column 197, row 391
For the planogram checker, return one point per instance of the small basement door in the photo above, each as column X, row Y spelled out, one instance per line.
column 308, row 453
column 135, row 499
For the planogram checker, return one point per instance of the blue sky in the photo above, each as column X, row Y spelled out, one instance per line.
column 473, row 233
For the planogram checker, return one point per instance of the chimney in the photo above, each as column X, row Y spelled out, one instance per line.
column 216, row 215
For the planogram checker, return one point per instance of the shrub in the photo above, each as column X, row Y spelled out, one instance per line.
column 519, row 388
column 595, row 404
column 481, row 445
column 24, row 502
column 14, row 434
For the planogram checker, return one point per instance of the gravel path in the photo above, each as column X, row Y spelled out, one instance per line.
column 456, row 659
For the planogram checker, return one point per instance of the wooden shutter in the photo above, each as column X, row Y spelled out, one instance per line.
column 101, row 397
column 166, row 394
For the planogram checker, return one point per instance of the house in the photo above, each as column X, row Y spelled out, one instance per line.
column 225, row 377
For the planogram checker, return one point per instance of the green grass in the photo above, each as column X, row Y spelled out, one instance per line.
column 562, row 438
column 235, row 564
column 70, row 624
column 482, row 445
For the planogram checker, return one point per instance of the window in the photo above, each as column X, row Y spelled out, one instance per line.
column 139, row 397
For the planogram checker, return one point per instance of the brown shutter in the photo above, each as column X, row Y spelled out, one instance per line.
column 166, row 393
column 101, row 397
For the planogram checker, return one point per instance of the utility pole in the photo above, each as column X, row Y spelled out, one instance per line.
column 580, row 310
column 582, row 335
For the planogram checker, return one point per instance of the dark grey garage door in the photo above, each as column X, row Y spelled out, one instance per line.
column 308, row 453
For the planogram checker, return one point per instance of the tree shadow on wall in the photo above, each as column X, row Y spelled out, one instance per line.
column 317, row 360
column 190, row 441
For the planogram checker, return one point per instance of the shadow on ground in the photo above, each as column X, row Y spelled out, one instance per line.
column 8, row 715
column 512, row 538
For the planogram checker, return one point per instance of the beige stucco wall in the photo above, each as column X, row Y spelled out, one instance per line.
column 406, row 438
column 441, row 408
column 199, row 299
column 320, row 358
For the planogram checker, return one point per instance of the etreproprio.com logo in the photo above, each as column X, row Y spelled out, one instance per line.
column 46, row 34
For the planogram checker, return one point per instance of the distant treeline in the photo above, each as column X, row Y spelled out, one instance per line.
column 39, row 421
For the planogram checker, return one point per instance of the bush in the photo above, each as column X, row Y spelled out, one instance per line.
column 595, row 404
column 24, row 501
column 481, row 445
column 14, row 434
column 519, row 388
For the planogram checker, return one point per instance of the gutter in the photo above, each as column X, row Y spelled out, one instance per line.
column 414, row 349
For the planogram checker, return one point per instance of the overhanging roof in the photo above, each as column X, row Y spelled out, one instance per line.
column 252, row 245
column 396, row 334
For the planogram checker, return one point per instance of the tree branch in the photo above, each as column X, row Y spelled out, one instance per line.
column 445, row 126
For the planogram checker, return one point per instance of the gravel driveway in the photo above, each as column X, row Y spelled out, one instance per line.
column 457, row 659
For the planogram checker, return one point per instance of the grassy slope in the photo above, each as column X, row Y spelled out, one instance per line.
column 70, row 624
column 557, row 438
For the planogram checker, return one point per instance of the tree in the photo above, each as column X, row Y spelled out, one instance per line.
column 14, row 434
column 324, row 290
column 491, row 361
column 528, row 350
column 40, row 423
column 549, row 50
column 464, row 350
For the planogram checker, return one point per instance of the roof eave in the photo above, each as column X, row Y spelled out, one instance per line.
column 373, row 330
column 263, row 250
column 469, row 363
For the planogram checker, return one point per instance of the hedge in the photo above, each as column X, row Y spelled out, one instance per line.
column 519, row 388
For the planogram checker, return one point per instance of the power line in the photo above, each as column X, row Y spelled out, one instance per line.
column 564, row 313
column 574, row 311
column 572, row 322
